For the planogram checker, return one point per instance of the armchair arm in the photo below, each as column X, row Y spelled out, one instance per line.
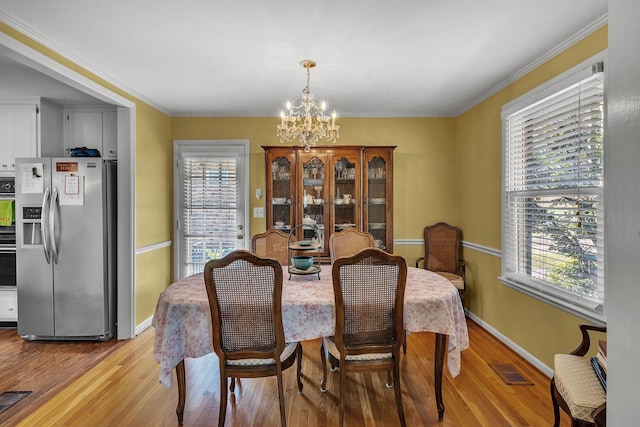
column 583, row 348
column 418, row 261
column 462, row 269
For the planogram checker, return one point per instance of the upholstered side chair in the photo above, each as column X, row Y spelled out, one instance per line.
column 575, row 387
column 442, row 254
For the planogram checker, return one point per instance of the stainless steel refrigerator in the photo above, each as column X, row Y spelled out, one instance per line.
column 66, row 248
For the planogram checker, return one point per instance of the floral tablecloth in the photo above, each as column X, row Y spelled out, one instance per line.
column 183, row 322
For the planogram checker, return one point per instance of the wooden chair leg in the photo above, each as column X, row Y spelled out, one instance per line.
column 223, row 397
column 343, row 393
column 323, row 360
column 390, row 379
column 283, row 418
column 554, row 401
column 299, row 366
column 398, row 392
column 404, row 343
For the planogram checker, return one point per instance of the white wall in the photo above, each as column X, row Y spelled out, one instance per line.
column 622, row 217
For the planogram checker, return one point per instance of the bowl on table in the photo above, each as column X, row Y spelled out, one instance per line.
column 302, row 262
column 304, row 242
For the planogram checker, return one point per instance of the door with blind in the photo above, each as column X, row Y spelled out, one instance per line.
column 210, row 202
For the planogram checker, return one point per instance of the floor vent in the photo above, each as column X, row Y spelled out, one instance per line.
column 509, row 374
column 10, row 398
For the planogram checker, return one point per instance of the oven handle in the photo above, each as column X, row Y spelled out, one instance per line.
column 44, row 225
column 7, row 250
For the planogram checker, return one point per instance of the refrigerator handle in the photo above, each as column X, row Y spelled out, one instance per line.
column 44, row 226
column 53, row 208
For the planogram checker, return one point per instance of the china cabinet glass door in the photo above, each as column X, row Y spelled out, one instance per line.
column 346, row 190
column 378, row 195
column 314, row 192
column 281, row 212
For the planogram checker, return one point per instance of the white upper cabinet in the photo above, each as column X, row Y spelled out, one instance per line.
column 29, row 127
column 18, row 134
column 91, row 128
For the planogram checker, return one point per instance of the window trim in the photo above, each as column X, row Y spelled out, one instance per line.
column 563, row 300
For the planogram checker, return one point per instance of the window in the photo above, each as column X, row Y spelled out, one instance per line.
column 553, row 193
column 210, row 203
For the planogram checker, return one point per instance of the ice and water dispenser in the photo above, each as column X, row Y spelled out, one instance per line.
column 31, row 225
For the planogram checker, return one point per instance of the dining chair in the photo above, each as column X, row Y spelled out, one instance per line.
column 348, row 242
column 245, row 298
column 575, row 386
column 442, row 254
column 369, row 298
column 272, row 243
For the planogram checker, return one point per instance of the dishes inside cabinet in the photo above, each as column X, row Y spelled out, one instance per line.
column 377, row 201
column 376, row 225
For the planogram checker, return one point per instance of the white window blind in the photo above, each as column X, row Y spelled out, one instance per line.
column 553, row 190
column 210, row 200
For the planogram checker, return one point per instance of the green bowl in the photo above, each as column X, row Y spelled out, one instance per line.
column 302, row 262
column 304, row 242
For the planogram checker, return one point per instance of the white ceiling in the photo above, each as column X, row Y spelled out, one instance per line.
column 241, row 57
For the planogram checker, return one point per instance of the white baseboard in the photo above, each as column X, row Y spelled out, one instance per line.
column 143, row 326
column 513, row 346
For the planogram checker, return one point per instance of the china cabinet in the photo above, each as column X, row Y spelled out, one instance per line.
column 329, row 189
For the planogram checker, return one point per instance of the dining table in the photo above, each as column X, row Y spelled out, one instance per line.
column 182, row 321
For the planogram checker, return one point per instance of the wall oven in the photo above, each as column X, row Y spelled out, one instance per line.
column 7, row 238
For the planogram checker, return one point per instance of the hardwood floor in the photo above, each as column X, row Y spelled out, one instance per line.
column 123, row 390
column 44, row 367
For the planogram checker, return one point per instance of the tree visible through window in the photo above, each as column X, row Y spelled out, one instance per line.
column 553, row 207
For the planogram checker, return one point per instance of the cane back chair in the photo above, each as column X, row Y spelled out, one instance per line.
column 369, row 297
column 245, row 298
column 348, row 242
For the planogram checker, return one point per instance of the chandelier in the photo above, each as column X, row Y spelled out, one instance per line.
column 306, row 120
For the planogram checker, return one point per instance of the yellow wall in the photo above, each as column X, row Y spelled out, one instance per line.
column 424, row 179
column 537, row 327
column 154, row 208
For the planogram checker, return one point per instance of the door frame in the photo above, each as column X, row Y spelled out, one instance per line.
column 210, row 145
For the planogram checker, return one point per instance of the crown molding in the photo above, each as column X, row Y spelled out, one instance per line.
column 575, row 38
